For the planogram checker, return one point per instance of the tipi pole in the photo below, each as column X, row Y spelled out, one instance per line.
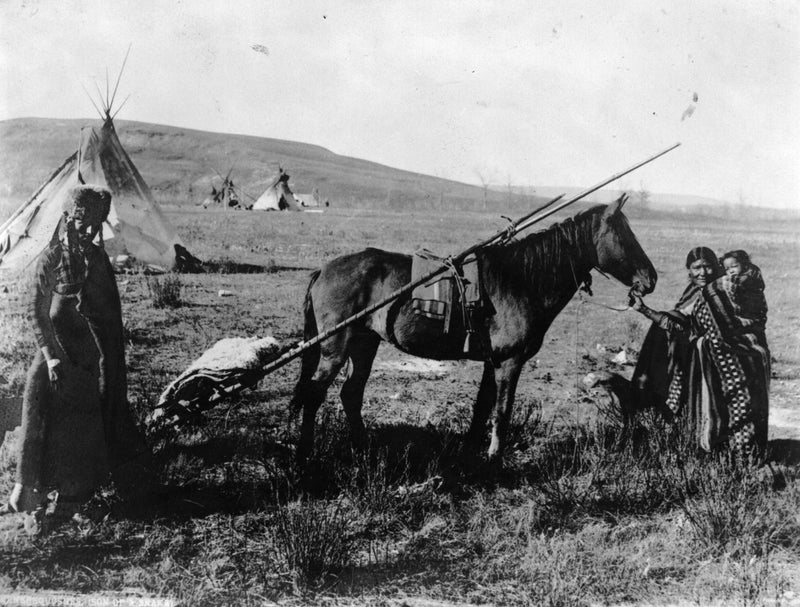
column 110, row 103
column 102, row 117
column 80, row 157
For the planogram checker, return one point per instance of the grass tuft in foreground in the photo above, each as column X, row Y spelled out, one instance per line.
column 165, row 290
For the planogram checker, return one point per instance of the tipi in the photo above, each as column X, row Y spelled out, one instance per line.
column 277, row 196
column 226, row 196
column 136, row 229
column 311, row 200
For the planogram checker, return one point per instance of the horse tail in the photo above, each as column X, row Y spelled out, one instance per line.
column 310, row 358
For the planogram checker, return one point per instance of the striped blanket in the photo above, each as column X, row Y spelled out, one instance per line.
column 729, row 374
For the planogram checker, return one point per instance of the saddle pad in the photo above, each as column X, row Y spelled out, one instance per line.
column 437, row 298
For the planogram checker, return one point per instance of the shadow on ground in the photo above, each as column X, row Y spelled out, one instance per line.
column 226, row 266
column 238, row 472
column 785, row 451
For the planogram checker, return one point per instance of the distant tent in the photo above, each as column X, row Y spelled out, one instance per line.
column 136, row 229
column 312, row 200
column 277, row 196
column 225, row 196
column 213, row 198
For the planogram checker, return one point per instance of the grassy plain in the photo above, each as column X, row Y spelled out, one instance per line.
column 569, row 520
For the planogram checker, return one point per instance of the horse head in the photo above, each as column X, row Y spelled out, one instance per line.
column 619, row 253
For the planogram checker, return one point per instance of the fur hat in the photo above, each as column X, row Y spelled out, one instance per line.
column 90, row 202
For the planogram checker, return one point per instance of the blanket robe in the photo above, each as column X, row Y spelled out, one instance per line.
column 728, row 382
column 664, row 357
column 707, row 364
column 73, row 436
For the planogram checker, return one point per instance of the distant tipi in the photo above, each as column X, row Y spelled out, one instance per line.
column 136, row 228
column 227, row 195
column 277, row 196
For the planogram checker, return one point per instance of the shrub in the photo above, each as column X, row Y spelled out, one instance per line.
column 313, row 539
column 525, row 425
column 733, row 508
column 165, row 291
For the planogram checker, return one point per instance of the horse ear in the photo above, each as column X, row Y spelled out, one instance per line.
column 616, row 205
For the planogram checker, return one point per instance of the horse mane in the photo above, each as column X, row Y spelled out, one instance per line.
column 545, row 258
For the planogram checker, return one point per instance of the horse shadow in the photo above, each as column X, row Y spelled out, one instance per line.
column 403, row 454
column 784, row 451
column 196, row 473
column 234, row 473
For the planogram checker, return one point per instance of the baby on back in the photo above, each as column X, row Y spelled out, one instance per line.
column 745, row 285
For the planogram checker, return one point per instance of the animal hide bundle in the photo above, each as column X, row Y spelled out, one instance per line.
column 228, row 366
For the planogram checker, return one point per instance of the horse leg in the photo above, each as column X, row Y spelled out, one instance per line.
column 482, row 407
column 506, row 378
column 312, row 393
column 362, row 353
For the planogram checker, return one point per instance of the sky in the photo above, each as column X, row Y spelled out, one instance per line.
column 551, row 93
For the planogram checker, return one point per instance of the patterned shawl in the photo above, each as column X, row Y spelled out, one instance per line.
column 729, row 386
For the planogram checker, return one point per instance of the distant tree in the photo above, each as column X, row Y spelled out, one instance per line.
column 509, row 190
column 643, row 197
column 485, row 185
column 529, row 194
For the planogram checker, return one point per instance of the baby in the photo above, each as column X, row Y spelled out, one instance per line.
column 743, row 281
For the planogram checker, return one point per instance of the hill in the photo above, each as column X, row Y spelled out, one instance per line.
column 179, row 165
column 658, row 199
column 669, row 204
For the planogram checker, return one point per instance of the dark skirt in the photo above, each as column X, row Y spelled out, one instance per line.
column 63, row 437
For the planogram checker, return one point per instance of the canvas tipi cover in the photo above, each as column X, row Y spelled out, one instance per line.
column 136, row 226
column 277, row 196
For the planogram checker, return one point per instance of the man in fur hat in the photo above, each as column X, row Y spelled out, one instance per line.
column 77, row 428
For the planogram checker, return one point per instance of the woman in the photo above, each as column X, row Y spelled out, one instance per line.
column 663, row 360
column 718, row 363
column 76, row 425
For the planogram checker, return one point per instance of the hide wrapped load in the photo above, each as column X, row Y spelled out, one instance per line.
column 228, row 366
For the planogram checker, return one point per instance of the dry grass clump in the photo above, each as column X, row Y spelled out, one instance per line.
column 734, row 510
column 165, row 290
column 314, row 540
column 17, row 348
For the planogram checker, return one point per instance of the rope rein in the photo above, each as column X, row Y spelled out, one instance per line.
column 584, row 288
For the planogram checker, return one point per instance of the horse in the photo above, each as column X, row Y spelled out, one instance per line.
column 527, row 282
